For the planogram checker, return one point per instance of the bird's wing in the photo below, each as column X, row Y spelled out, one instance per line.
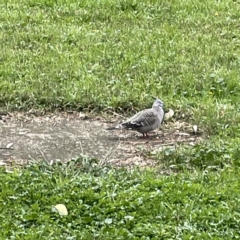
column 144, row 118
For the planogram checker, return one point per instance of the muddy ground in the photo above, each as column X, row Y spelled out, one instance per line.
column 63, row 136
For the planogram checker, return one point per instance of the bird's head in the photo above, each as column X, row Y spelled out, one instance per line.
column 158, row 103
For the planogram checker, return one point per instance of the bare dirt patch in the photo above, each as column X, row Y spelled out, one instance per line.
column 64, row 136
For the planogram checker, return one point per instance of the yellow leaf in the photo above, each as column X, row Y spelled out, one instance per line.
column 61, row 209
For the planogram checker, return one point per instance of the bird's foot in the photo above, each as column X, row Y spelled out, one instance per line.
column 145, row 135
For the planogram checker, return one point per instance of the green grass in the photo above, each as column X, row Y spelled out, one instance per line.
column 100, row 55
column 116, row 54
column 110, row 203
column 105, row 54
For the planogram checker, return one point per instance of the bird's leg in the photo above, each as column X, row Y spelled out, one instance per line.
column 145, row 135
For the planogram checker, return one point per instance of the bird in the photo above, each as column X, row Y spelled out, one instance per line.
column 144, row 121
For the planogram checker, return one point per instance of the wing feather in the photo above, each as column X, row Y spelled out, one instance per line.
column 144, row 118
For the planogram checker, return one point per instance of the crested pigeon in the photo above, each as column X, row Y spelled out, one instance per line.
column 145, row 121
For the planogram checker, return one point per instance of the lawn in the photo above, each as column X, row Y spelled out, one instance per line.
column 101, row 55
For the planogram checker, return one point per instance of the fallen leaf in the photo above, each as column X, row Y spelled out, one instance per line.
column 9, row 145
column 82, row 115
column 195, row 128
column 61, row 209
column 169, row 114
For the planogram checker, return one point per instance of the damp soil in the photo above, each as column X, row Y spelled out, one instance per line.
column 64, row 136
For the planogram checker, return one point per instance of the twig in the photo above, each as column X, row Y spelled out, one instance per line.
column 109, row 154
column 116, row 114
column 46, row 160
column 81, row 147
column 6, row 148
